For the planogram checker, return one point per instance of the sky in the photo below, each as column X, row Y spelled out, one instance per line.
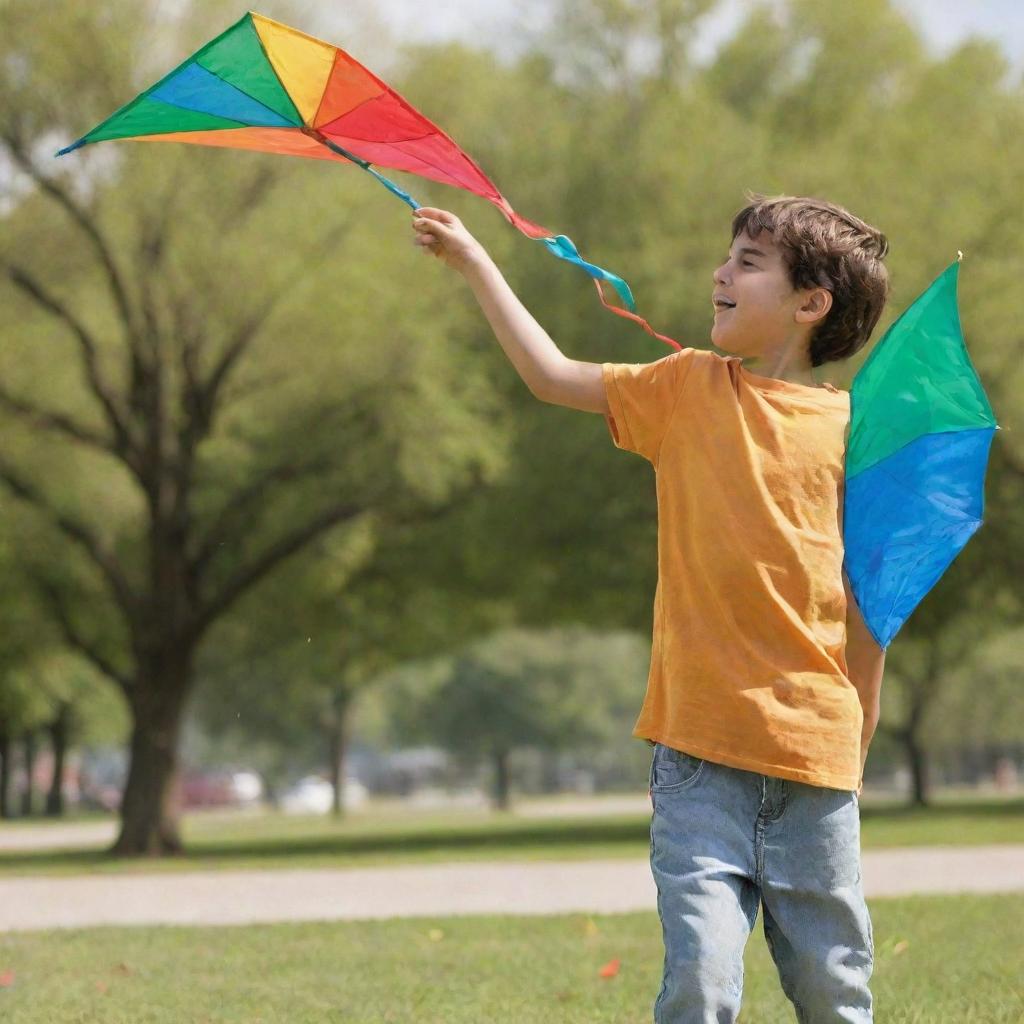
column 944, row 23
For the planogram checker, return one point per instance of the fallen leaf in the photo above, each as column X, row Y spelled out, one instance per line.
column 6, row 979
column 122, row 968
column 435, row 935
column 610, row 969
column 590, row 928
column 899, row 947
column 101, row 987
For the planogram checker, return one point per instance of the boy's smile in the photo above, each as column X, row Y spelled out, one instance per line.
column 758, row 313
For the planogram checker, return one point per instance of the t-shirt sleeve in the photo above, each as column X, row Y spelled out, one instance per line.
column 642, row 398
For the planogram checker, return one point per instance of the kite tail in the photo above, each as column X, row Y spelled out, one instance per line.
column 635, row 318
column 562, row 246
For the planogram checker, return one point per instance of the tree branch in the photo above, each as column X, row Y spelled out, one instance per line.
column 81, row 535
column 248, row 575
column 205, row 394
column 123, row 444
column 55, row 421
column 353, row 415
column 252, row 492
column 82, row 219
column 73, row 638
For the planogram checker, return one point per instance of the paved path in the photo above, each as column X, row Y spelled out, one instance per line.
column 57, row 837
column 523, row 887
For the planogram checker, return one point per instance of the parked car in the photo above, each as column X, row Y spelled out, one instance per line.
column 219, row 788
column 313, row 795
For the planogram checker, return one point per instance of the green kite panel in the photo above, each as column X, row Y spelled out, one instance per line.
column 918, row 380
column 237, row 57
column 154, row 117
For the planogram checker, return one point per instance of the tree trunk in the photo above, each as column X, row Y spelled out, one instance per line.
column 501, row 780
column 149, row 805
column 551, row 761
column 59, row 730
column 5, row 776
column 337, row 743
column 917, row 760
column 28, row 792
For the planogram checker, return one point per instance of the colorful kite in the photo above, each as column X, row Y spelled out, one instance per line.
column 920, row 431
column 262, row 85
column 921, row 425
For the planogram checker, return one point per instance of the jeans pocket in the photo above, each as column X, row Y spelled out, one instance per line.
column 673, row 769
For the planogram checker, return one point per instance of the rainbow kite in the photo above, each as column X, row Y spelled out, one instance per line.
column 262, row 85
column 920, row 431
column 921, row 425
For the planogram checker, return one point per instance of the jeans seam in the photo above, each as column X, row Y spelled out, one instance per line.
column 664, row 971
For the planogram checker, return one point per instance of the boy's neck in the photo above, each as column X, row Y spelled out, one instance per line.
column 790, row 376
column 791, row 366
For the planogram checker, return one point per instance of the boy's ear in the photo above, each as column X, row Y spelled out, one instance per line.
column 817, row 302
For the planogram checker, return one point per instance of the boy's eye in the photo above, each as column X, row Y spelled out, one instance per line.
column 747, row 263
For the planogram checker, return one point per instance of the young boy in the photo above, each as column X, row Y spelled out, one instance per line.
column 764, row 681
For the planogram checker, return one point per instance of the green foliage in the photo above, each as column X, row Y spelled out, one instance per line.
column 377, row 360
column 554, row 689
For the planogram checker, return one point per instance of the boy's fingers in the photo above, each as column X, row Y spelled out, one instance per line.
column 430, row 227
column 435, row 214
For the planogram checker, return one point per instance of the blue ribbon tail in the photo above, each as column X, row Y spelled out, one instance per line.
column 562, row 247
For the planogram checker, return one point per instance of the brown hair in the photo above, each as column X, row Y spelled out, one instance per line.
column 825, row 246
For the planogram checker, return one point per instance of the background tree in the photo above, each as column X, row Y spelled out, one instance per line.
column 214, row 479
column 550, row 690
column 290, row 667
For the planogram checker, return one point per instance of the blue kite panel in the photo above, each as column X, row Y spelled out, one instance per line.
column 194, row 88
column 906, row 518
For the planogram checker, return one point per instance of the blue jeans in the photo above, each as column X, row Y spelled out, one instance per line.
column 725, row 841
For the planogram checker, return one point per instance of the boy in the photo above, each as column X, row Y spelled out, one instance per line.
column 764, row 682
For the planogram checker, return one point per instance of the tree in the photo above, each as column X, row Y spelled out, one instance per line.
column 217, row 489
column 549, row 689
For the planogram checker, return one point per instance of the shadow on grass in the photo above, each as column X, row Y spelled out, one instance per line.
column 352, row 840
column 960, row 808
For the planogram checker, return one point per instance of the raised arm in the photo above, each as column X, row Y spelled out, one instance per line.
column 549, row 374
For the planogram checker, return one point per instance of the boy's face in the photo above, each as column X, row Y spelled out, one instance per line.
column 768, row 314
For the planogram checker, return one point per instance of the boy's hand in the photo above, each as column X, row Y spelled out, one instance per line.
column 442, row 234
column 535, row 356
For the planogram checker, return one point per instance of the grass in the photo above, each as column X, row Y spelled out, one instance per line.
column 938, row 960
column 398, row 836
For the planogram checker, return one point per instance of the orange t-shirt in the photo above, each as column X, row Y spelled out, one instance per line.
column 748, row 662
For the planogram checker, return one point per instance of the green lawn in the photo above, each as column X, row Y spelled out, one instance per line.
column 387, row 836
column 938, row 960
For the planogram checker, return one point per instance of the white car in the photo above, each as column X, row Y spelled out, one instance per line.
column 313, row 795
